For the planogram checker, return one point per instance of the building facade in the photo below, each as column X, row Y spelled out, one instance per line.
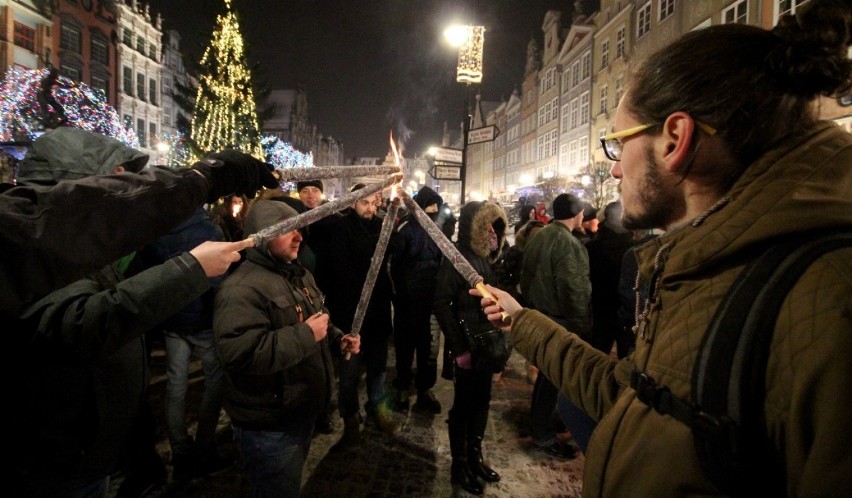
column 27, row 39
column 139, row 54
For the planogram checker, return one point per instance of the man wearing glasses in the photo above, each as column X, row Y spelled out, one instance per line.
column 716, row 141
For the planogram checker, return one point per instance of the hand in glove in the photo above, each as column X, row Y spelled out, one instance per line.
column 234, row 172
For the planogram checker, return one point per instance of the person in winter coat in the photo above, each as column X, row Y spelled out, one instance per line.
column 59, row 227
column 481, row 240
column 414, row 262
column 727, row 173
column 541, row 213
column 356, row 236
column 276, row 344
column 79, row 359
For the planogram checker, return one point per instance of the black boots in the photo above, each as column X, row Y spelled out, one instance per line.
column 460, row 471
column 460, row 474
column 476, row 463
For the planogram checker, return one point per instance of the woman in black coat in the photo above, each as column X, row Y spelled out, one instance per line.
column 481, row 237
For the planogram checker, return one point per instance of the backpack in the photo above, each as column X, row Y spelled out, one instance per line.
column 725, row 409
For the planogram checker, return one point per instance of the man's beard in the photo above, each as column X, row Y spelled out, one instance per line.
column 657, row 203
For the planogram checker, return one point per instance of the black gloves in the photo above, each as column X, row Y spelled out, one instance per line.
column 234, row 172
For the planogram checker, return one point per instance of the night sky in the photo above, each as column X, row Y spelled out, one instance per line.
column 369, row 66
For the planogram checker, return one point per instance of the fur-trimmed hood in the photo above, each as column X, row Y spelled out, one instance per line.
column 473, row 228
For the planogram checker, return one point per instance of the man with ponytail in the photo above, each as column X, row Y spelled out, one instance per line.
column 716, row 140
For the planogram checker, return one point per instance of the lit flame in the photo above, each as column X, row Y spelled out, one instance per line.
column 396, row 160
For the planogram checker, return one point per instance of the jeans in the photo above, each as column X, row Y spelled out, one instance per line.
column 179, row 348
column 576, row 420
column 373, row 357
column 273, row 461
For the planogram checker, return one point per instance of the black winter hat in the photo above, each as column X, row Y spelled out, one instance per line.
column 426, row 197
column 309, row 183
column 566, row 206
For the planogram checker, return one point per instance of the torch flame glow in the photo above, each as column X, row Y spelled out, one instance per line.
column 396, row 161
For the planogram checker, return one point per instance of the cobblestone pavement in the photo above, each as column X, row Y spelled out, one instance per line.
column 413, row 462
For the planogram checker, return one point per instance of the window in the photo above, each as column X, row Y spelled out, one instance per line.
column 152, row 51
column 566, row 78
column 554, row 143
column 152, row 131
column 167, row 85
column 127, row 38
column 584, row 107
column 643, row 20
column 152, row 91
column 572, row 153
column 140, row 86
column 619, row 42
column 602, row 101
column 140, row 44
column 604, row 54
column 554, row 106
column 24, row 36
column 563, row 155
column 583, row 151
column 140, row 132
column 618, row 90
column 70, row 37
column 540, row 147
column 787, row 6
column 575, row 74
column 667, row 8
column 564, row 120
column 71, row 72
column 100, row 50
column 575, row 108
column 736, row 13
column 541, row 117
column 587, row 64
column 127, row 81
column 101, row 83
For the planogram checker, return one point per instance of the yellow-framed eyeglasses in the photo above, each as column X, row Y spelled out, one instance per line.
column 611, row 142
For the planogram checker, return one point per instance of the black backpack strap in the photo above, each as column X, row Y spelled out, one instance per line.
column 725, row 411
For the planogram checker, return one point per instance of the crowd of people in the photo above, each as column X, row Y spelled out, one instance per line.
column 724, row 160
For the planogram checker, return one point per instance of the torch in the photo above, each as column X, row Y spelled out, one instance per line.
column 449, row 250
column 320, row 172
column 375, row 268
column 319, row 212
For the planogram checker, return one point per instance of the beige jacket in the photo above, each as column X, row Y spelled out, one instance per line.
column 804, row 185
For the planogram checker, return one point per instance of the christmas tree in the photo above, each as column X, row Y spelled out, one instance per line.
column 225, row 112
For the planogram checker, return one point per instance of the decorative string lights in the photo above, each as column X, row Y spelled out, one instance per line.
column 22, row 112
column 225, row 112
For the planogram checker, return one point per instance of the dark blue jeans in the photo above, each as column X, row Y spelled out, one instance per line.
column 273, row 461
column 374, row 359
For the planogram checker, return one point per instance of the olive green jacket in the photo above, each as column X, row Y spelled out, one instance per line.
column 804, row 185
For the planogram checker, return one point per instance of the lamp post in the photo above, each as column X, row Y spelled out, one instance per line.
column 470, row 41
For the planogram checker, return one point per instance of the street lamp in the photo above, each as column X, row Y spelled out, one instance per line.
column 470, row 41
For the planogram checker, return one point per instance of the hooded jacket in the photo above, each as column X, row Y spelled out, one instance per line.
column 452, row 304
column 803, row 185
column 157, row 198
column 79, row 353
column 275, row 372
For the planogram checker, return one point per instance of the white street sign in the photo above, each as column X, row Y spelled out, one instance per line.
column 446, row 173
column 448, row 155
column 484, row 134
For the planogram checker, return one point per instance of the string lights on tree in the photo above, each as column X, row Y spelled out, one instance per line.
column 225, row 112
column 24, row 109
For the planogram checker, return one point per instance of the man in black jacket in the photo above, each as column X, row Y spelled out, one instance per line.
column 356, row 237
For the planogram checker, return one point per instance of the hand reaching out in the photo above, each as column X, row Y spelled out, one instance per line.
column 493, row 311
column 216, row 257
